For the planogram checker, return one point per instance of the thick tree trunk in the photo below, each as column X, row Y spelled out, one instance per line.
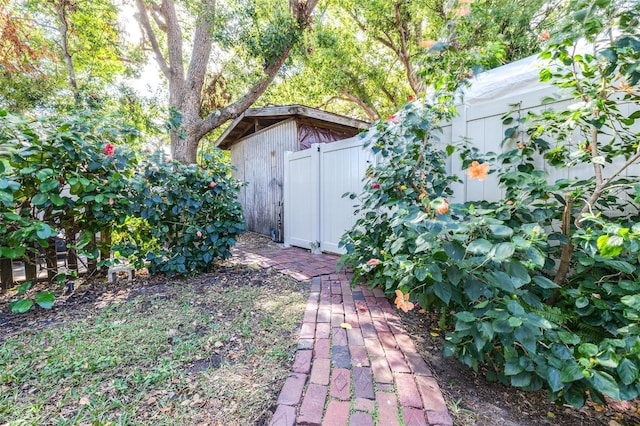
column 185, row 92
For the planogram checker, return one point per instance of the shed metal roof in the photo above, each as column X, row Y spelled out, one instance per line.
column 255, row 119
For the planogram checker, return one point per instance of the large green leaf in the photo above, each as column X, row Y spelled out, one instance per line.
column 480, row 246
column 632, row 301
column 575, row 396
column 20, row 306
column 544, row 282
column 621, row 266
column 442, row 290
column 628, row 371
column 48, row 185
column 501, row 280
column 571, row 372
column 503, row 251
column 45, row 232
column 521, row 380
column 45, row 299
column 553, row 378
column 466, row 316
column 606, row 384
column 518, row 273
column 39, row 199
column 501, row 231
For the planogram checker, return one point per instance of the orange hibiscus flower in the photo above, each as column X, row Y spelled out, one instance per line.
column 478, row 171
column 402, row 301
column 443, row 207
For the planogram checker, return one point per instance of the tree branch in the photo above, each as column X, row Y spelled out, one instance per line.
column 368, row 110
column 63, row 28
column 143, row 18
column 403, row 53
column 302, row 12
column 158, row 19
column 174, row 41
column 197, row 70
column 220, row 116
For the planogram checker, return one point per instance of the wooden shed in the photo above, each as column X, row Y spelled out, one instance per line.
column 258, row 140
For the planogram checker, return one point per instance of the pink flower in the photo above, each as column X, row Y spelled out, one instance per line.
column 410, row 98
column 375, row 185
column 544, row 35
column 373, row 262
column 391, row 118
column 212, row 184
column 109, row 149
column 111, row 201
column 199, row 234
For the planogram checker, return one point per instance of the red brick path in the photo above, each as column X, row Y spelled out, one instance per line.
column 369, row 374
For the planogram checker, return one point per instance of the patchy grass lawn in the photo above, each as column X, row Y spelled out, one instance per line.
column 211, row 350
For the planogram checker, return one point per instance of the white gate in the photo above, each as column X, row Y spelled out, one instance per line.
column 315, row 180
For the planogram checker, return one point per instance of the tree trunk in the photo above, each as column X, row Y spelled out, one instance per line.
column 30, row 266
column 185, row 92
column 92, row 263
column 63, row 28
column 105, row 246
column 6, row 273
column 51, row 257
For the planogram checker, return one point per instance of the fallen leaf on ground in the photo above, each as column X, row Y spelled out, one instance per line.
column 151, row 400
column 346, row 325
column 84, row 401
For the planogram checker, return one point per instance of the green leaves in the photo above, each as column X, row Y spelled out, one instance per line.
column 45, row 299
column 479, row 246
column 610, row 246
column 543, row 284
column 20, row 306
column 627, row 371
column 502, row 251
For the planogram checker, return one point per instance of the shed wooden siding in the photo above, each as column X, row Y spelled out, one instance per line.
column 259, row 159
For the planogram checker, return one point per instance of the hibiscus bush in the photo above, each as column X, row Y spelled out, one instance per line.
column 74, row 177
column 541, row 288
column 186, row 216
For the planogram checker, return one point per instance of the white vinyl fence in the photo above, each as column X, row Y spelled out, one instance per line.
column 315, row 179
column 315, row 212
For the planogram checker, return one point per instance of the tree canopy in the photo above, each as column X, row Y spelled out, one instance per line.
column 360, row 58
column 368, row 58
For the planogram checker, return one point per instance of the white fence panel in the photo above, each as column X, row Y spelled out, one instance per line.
column 342, row 166
column 301, row 197
column 316, row 179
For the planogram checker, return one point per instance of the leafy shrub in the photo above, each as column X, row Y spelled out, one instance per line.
column 188, row 215
column 543, row 284
column 75, row 177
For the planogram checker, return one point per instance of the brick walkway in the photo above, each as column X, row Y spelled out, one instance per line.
column 364, row 375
